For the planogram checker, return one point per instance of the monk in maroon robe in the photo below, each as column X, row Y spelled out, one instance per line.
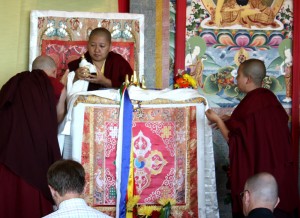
column 259, row 139
column 111, row 67
column 28, row 143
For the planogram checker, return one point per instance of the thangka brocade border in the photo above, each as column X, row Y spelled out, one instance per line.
column 89, row 164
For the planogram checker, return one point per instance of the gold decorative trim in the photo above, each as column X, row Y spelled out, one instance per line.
column 167, row 101
column 92, row 99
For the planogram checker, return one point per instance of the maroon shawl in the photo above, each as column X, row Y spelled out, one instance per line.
column 116, row 68
column 259, row 141
column 28, row 136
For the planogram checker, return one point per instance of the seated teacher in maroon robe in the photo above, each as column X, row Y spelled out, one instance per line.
column 111, row 67
column 259, row 139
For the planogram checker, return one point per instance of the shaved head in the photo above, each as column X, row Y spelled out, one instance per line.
column 43, row 62
column 255, row 69
column 101, row 31
column 264, row 187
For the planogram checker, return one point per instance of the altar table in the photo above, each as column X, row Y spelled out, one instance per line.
column 172, row 141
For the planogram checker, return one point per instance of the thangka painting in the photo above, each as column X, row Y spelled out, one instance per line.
column 63, row 36
column 221, row 34
column 165, row 157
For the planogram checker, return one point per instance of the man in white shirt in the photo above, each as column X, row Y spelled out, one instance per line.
column 66, row 179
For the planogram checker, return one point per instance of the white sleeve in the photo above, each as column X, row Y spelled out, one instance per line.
column 78, row 86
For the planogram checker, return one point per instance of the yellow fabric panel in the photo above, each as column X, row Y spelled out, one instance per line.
column 15, row 25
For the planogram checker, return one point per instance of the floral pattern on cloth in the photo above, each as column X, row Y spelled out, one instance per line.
column 165, row 157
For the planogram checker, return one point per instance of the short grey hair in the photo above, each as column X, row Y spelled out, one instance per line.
column 43, row 62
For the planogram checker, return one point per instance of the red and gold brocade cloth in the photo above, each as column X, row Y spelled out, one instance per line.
column 165, row 164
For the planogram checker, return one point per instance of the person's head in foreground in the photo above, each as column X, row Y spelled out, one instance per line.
column 261, row 191
column 66, row 180
column 99, row 44
column 250, row 75
column 45, row 63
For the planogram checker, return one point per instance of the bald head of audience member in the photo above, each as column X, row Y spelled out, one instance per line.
column 45, row 63
column 261, row 191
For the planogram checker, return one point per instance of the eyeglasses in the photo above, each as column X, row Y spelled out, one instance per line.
column 242, row 193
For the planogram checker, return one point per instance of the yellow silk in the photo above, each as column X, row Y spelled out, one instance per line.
column 130, row 186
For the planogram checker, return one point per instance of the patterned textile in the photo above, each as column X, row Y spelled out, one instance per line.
column 63, row 52
column 68, row 28
column 165, row 164
column 162, row 118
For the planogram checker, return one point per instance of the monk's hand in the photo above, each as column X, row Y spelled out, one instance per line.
column 99, row 79
column 64, row 78
column 212, row 116
column 96, row 78
column 225, row 117
column 82, row 73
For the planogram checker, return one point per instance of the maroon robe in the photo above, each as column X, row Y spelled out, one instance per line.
column 28, row 143
column 259, row 141
column 57, row 88
column 115, row 69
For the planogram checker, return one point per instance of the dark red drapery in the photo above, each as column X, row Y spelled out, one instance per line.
column 123, row 6
column 296, row 77
column 180, row 35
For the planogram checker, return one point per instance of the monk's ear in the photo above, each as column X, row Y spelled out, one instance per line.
column 249, row 80
column 247, row 198
column 55, row 73
column 278, row 200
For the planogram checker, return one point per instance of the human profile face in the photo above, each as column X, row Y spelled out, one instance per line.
column 99, row 47
column 241, row 80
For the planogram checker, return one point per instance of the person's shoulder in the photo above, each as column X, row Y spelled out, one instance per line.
column 115, row 56
column 51, row 215
column 56, row 84
column 260, row 213
column 262, row 93
column 37, row 72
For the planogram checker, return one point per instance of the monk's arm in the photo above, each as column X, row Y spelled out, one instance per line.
column 223, row 128
column 218, row 121
column 61, row 106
